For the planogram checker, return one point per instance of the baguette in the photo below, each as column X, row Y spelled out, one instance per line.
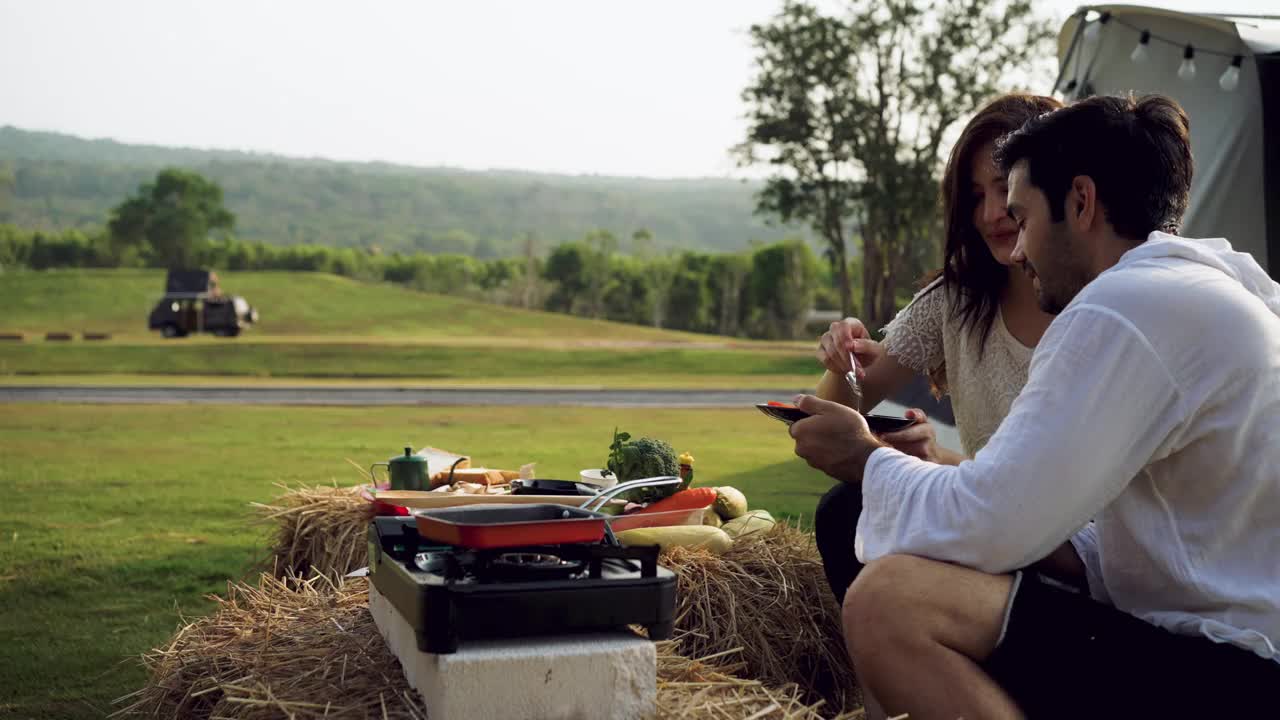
column 480, row 476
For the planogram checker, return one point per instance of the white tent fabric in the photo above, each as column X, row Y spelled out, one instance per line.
column 1229, row 192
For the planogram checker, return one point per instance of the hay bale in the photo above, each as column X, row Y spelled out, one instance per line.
column 302, row 649
column 13, row 336
column 713, row 687
column 88, row 335
column 767, row 595
column 58, row 336
column 295, row 649
column 318, row 530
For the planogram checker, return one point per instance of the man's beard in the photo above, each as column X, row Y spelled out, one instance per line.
column 1068, row 275
column 1049, row 302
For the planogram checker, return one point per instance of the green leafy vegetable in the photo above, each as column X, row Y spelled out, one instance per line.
column 642, row 458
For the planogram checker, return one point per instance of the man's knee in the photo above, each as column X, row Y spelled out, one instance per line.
column 890, row 600
column 886, row 589
column 903, row 599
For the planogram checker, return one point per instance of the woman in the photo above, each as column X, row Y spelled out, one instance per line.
column 971, row 330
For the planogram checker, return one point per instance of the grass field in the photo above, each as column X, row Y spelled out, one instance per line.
column 116, row 520
column 565, row 381
column 292, row 305
column 391, row 361
column 322, row 326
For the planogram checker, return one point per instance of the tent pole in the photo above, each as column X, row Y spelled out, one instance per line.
column 1269, row 85
column 1071, row 51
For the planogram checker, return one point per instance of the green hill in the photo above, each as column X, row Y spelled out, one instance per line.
column 295, row 305
column 54, row 181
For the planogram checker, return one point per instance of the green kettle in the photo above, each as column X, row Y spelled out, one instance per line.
column 407, row 472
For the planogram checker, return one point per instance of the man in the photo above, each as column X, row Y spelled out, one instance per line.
column 1152, row 407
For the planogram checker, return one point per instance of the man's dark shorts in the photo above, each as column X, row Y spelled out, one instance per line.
column 1063, row 655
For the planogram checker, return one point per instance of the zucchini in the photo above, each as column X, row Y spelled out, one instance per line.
column 689, row 536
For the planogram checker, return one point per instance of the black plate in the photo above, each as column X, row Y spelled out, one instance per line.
column 787, row 414
column 552, row 487
column 879, row 424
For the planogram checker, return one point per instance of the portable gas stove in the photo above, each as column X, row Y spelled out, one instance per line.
column 451, row 593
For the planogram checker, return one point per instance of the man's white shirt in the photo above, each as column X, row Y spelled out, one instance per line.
column 1152, row 408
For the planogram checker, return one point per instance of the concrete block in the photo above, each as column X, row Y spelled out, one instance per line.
column 610, row 676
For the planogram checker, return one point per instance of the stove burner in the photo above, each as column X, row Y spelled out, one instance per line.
column 431, row 561
column 530, row 559
column 528, row 566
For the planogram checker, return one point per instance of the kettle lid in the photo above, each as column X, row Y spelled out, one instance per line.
column 409, row 458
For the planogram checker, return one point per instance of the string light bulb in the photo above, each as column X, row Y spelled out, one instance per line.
column 1094, row 30
column 1187, row 71
column 1140, row 54
column 1231, row 78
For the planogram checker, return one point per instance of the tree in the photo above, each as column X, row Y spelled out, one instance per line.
column 567, row 269
column 660, row 269
column 169, row 220
column 602, row 244
column 8, row 181
column 689, row 295
column 781, row 288
column 530, row 287
column 852, row 112
column 727, row 282
column 628, row 295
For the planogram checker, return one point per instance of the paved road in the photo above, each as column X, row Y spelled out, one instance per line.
column 373, row 396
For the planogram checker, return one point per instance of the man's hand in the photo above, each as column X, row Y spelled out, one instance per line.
column 835, row 439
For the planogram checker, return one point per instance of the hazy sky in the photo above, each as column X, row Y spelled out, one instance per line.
column 591, row 86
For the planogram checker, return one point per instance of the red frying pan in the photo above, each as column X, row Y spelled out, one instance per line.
column 482, row 527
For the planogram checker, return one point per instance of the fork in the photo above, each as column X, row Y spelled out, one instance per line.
column 851, row 377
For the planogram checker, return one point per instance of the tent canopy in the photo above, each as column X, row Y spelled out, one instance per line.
column 1235, row 133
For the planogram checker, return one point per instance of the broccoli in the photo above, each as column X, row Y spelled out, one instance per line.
column 643, row 458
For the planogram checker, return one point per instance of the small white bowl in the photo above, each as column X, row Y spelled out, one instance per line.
column 595, row 477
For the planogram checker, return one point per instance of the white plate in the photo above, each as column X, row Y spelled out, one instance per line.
column 594, row 477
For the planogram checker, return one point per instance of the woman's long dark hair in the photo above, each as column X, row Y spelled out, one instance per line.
column 969, row 271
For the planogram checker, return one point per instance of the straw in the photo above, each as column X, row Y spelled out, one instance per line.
column 768, row 596
column 320, row 530
column 295, row 648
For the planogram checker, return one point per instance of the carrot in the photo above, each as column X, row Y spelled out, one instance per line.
column 691, row 499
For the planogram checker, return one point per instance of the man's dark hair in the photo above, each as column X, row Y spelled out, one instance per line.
column 1138, row 152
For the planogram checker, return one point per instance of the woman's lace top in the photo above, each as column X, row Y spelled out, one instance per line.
column 926, row 334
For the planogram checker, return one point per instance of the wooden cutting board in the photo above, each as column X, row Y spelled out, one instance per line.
column 420, row 499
